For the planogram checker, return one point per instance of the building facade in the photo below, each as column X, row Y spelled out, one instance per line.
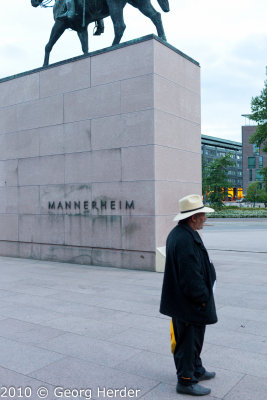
column 213, row 148
column 253, row 158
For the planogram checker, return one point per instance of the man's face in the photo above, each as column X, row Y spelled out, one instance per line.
column 200, row 219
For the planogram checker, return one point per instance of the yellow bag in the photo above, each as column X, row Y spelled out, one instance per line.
column 173, row 341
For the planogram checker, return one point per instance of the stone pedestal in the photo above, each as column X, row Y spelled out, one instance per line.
column 95, row 153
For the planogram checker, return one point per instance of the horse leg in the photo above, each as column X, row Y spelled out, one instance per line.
column 149, row 11
column 83, row 36
column 116, row 14
column 57, row 30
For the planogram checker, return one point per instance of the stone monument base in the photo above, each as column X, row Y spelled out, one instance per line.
column 95, row 153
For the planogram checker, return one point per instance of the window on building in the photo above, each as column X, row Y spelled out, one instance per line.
column 259, row 176
column 251, row 162
column 250, row 175
column 260, row 162
column 256, row 150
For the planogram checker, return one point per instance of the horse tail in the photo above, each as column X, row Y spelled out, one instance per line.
column 164, row 4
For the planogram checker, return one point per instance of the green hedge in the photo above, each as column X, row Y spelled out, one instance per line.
column 239, row 213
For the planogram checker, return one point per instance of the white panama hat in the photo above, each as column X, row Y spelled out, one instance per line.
column 190, row 205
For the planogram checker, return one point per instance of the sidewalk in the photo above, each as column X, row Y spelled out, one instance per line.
column 83, row 327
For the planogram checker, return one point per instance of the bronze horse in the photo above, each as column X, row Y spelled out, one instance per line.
column 88, row 11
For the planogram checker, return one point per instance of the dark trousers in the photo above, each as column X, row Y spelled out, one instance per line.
column 189, row 341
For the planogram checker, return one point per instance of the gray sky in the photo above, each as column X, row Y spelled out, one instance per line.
column 228, row 38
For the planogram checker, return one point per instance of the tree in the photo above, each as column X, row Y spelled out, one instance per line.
column 263, row 197
column 205, row 186
column 216, row 181
column 263, row 172
column 259, row 114
column 253, row 192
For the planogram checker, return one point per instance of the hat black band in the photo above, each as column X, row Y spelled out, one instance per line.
column 199, row 208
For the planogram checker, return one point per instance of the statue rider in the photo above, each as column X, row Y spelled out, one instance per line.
column 70, row 14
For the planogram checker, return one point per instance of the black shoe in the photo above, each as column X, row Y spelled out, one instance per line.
column 207, row 375
column 193, row 390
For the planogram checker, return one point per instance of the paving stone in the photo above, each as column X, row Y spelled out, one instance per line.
column 26, row 332
column 238, row 340
column 93, row 350
column 248, row 388
column 24, row 358
column 254, row 327
column 151, row 365
column 223, row 382
column 28, row 313
column 245, row 362
column 168, row 392
column 88, row 327
column 70, row 372
column 27, row 385
column 143, row 340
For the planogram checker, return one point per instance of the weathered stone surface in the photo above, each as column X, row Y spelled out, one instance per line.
column 51, row 140
column 20, row 90
column 65, row 199
column 20, row 145
column 8, row 119
column 95, row 154
column 163, row 226
column 137, row 93
column 124, row 130
column 9, row 227
column 177, row 132
column 93, row 231
column 77, row 136
column 98, row 101
column 124, row 63
column 9, row 173
column 41, row 229
column 41, row 170
column 138, row 163
column 39, row 113
column 68, row 254
column 98, row 166
column 65, row 78
column 177, row 100
column 141, row 193
column 138, row 233
column 173, row 165
column 9, row 200
column 177, row 69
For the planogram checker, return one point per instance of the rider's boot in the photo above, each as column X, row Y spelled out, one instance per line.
column 99, row 27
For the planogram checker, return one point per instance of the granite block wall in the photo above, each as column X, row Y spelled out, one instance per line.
column 95, row 153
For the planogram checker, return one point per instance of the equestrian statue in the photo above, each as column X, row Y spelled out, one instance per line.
column 78, row 14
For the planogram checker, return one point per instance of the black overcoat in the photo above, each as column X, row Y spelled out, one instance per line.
column 188, row 278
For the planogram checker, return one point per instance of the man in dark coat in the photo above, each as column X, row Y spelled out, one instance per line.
column 187, row 294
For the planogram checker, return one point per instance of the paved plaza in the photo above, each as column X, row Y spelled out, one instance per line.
column 95, row 329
